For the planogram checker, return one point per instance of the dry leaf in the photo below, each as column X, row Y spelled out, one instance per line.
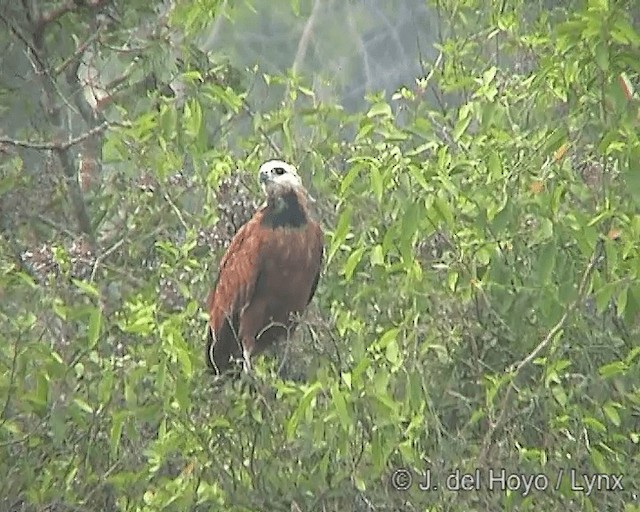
column 625, row 85
column 560, row 152
column 614, row 234
column 536, row 186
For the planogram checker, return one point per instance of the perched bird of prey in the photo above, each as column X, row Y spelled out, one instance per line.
column 268, row 274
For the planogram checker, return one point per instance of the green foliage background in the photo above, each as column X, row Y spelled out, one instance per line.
column 480, row 303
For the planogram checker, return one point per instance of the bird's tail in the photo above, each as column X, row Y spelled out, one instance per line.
column 209, row 352
column 216, row 356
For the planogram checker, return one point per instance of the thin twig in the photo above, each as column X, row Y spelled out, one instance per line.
column 18, row 33
column 176, row 210
column 251, row 113
column 307, row 33
column 515, row 369
column 55, row 225
column 77, row 53
column 103, row 256
column 368, row 75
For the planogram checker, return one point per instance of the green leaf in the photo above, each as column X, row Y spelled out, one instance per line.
column 58, row 425
column 502, row 218
column 87, row 288
column 380, row 109
column 301, row 410
column 117, row 422
column 632, row 180
column 352, row 262
column 611, row 412
column 42, row 389
column 366, row 127
column 359, row 483
column 168, row 121
column 224, row 95
column 105, row 387
column 612, row 369
column 377, row 256
column 489, row 75
column 452, row 280
column 621, row 302
column 603, row 296
column 443, row 210
column 554, row 141
column 83, row 405
column 599, row 461
column 546, row 262
column 392, row 353
column 389, row 336
column 348, row 178
column 494, row 165
column 193, row 118
column 602, row 56
column 358, row 371
column 93, row 331
column 7, row 183
column 559, row 394
column 410, row 221
column 340, row 404
column 633, row 353
column 418, row 175
column 377, row 184
column 340, row 234
column 461, row 126
column 595, row 424
column 624, row 33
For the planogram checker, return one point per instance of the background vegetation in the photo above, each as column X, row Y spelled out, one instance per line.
column 481, row 298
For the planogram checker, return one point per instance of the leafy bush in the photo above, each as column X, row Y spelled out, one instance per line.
column 480, row 303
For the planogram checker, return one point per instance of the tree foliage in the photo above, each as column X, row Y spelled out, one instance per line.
column 479, row 309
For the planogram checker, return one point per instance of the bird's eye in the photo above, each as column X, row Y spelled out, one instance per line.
column 279, row 171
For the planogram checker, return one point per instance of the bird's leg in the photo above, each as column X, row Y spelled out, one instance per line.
column 246, row 356
column 250, row 319
column 248, row 346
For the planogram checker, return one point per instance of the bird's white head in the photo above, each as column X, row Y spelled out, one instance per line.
column 277, row 177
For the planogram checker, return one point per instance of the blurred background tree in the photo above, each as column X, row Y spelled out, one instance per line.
column 476, row 167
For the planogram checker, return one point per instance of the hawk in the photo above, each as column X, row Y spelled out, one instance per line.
column 268, row 274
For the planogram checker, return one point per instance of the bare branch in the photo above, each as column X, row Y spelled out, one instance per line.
column 77, row 54
column 61, row 145
column 75, row 194
column 62, row 9
column 515, row 369
column 247, row 109
column 54, row 225
column 307, row 34
column 28, row 44
column 368, row 75
column 103, row 256
column 55, row 13
column 35, row 53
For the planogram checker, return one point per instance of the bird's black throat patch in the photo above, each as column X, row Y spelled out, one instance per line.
column 285, row 211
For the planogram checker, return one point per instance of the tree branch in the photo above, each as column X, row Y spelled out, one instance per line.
column 54, row 13
column 77, row 54
column 61, row 145
column 18, row 33
column 67, row 6
column 75, row 194
column 515, row 369
column 305, row 38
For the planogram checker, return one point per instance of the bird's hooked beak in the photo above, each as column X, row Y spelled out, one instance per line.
column 264, row 177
